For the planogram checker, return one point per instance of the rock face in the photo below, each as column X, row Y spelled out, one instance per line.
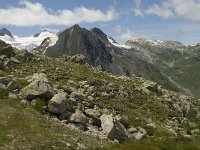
column 38, row 88
column 112, row 128
column 59, row 103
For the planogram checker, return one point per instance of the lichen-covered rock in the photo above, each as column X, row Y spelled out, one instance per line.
column 59, row 103
column 37, row 89
column 112, row 128
column 93, row 112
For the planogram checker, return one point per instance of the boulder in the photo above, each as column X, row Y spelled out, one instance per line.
column 37, row 89
column 38, row 77
column 112, row 128
column 93, row 112
column 15, row 60
column 79, row 58
column 77, row 95
column 59, row 103
column 78, row 117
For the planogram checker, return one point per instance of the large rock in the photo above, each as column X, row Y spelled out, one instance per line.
column 38, row 88
column 77, row 95
column 79, row 58
column 59, row 103
column 78, row 117
column 39, row 77
column 112, row 128
column 93, row 112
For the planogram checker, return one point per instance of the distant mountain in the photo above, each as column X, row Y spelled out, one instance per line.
column 102, row 50
column 28, row 43
column 180, row 63
column 5, row 32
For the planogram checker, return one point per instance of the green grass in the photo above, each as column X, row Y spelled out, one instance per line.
column 178, row 143
column 24, row 128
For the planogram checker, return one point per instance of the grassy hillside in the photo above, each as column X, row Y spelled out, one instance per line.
column 175, row 117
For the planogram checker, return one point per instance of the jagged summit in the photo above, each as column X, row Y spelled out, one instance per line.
column 77, row 40
column 4, row 32
column 100, row 33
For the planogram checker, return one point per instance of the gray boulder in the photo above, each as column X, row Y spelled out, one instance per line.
column 59, row 103
column 38, row 77
column 38, row 88
column 79, row 58
column 77, row 95
column 15, row 60
column 112, row 128
column 78, row 117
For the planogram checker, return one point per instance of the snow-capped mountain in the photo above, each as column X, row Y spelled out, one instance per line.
column 30, row 42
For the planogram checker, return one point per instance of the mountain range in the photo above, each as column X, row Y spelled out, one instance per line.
column 169, row 63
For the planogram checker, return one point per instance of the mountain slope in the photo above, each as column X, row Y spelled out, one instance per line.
column 177, row 61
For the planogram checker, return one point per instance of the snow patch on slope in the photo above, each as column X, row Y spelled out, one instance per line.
column 113, row 42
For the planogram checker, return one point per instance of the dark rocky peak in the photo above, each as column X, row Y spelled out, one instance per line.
column 5, row 31
column 100, row 34
column 76, row 27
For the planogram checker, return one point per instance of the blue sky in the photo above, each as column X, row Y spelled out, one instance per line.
column 122, row 19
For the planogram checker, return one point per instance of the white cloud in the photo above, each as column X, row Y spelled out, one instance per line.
column 137, row 10
column 160, row 11
column 124, row 34
column 32, row 14
column 185, row 9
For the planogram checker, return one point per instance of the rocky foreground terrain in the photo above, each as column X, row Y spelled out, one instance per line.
column 64, row 103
